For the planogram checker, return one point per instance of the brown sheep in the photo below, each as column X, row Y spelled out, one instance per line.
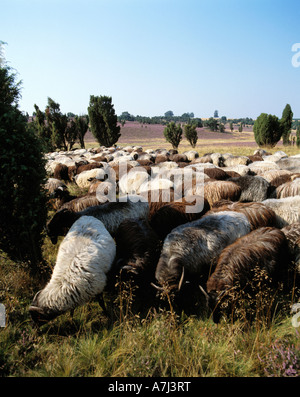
column 174, row 214
column 265, row 248
column 217, row 190
column 61, row 172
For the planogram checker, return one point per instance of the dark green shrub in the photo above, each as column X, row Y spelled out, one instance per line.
column 22, row 176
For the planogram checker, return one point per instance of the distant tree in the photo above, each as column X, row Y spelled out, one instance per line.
column 221, row 127
column 126, row 116
column 212, row 124
column 173, row 134
column 169, row 114
column 23, row 209
column 82, row 125
column 191, row 134
column 216, row 114
column 103, row 120
column 298, row 136
column 42, row 129
column 286, row 122
column 241, row 127
column 267, row 130
column 231, row 126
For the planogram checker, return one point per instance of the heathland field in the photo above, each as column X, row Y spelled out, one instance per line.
column 163, row 343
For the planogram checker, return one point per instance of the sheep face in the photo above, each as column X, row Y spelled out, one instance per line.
column 41, row 314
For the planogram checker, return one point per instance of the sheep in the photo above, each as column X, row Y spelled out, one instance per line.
column 61, row 172
column 84, row 258
column 287, row 210
column 291, row 164
column 174, row 214
column 265, row 248
column 217, row 190
column 288, row 189
column 242, row 170
column 191, row 249
column 260, row 167
column 257, row 214
column 232, row 161
column 138, row 250
column 111, row 214
column 253, row 188
column 81, row 203
column 53, row 184
column 84, row 179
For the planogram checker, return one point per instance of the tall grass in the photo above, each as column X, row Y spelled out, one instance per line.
column 163, row 344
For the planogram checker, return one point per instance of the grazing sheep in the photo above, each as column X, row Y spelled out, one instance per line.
column 257, row 214
column 111, row 214
column 217, row 190
column 174, row 214
column 288, row 189
column 287, row 210
column 260, row 167
column 191, row 249
column 61, row 172
column 138, row 250
column 232, row 161
column 291, row 164
column 216, row 173
column 265, row 248
column 81, row 203
column 85, row 178
column 241, row 170
column 53, row 184
column 84, row 258
column 253, row 188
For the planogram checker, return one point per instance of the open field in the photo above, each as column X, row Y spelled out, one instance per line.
column 88, row 344
column 151, row 136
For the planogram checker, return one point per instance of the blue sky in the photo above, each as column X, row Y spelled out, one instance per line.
column 151, row 56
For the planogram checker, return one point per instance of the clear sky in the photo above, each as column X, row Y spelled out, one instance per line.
column 151, row 56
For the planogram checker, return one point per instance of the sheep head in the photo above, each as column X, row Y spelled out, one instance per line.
column 60, row 223
column 40, row 314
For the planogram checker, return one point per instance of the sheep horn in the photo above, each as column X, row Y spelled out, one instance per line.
column 157, row 287
column 181, row 279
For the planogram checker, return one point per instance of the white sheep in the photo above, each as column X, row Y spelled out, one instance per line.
column 84, row 258
column 287, row 210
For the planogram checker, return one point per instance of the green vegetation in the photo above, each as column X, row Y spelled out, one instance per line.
column 57, row 130
column 22, row 173
column 173, row 134
column 267, row 130
column 191, row 134
column 286, row 123
column 103, row 120
column 162, row 344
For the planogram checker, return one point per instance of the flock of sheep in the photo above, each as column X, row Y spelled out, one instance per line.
column 248, row 217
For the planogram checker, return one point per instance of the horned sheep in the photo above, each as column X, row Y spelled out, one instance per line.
column 191, row 249
column 84, row 258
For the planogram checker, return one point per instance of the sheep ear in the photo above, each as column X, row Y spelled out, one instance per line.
column 181, row 279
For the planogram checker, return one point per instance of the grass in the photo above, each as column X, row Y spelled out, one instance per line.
column 161, row 345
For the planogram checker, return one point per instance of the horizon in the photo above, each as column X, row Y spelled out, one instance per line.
column 151, row 56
